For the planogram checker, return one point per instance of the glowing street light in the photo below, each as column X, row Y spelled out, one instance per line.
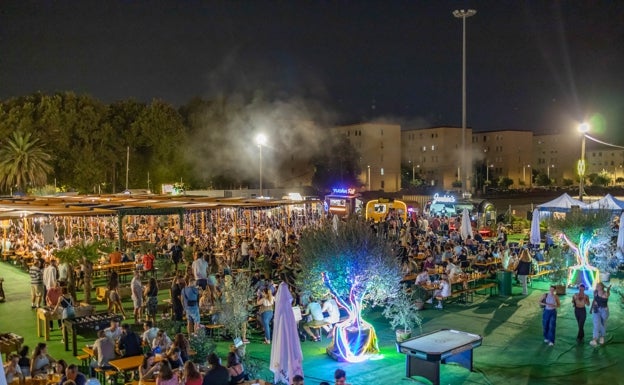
column 369, row 180
column 583, row 129
column 464, row 14
column 261, row 140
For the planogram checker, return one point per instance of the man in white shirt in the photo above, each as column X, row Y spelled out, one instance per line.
column 113, row 332
column 63, row 273
column 331, row 314
column 200, row 270
column 49, row 275
column 315, row 312
column 136, row 288
column 149, row 333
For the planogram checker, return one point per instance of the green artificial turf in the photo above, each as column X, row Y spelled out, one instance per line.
column 513, row 351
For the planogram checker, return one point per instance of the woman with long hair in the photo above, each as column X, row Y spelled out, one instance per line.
column 41, row 361
column 151, row 292
column 235, row 369
column 114, row 299
column 265, row 312
column 166, row 375
column 148, row 367
column 191, row 374
column 180, row 342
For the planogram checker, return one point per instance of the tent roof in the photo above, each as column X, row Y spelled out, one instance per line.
column 562, row 203
column 608, row 202
column 102, row 205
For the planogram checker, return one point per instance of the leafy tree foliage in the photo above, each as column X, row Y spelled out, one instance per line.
column 337, row 164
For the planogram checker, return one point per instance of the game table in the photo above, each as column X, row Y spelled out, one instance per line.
column 427, row 351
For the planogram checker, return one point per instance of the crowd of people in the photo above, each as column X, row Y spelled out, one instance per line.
column 421, row 244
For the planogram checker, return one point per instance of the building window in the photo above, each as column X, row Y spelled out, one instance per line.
column 433, row 147
column 383, row 185
column 382, row 132
column 424, row 148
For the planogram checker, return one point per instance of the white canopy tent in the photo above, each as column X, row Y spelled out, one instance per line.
column 564, row 203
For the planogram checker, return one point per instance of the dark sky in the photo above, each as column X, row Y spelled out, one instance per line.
column 537, row 65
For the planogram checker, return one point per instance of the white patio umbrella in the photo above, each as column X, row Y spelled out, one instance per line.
column 620, row 237
column 286, row 356
column 535, row 237
column 465, row 227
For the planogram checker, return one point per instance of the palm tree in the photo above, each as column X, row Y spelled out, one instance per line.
column 82, row 252
column 23, row 162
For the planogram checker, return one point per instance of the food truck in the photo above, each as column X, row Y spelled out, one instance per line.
column 343, row 202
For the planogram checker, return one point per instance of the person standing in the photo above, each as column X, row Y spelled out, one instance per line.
column 52, row 297
column 550, row 302
column 148, row 261
column 600, row 311
column 177, row 253
column 579, row 301
column 524, row 269
column 190, row 301
column 266, row 303
column 151, row 293
column 36, row 284
column 136, row 288
column 200, row 270
column 49, row 276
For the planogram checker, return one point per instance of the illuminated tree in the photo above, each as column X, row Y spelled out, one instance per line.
column 358, row 269
column 588, row 236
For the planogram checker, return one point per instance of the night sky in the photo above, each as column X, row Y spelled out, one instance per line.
column 537, row 65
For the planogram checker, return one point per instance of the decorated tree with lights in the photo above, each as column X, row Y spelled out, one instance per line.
column 349, row 262
column 587, row 235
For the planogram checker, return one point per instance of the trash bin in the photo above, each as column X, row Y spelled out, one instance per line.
column 504, row 282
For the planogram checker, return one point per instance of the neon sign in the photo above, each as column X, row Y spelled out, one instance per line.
column 340, row 190
column 443, row 198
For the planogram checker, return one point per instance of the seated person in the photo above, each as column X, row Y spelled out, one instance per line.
column 235, row 368
column 452, row 270
column 175, row 359
column 314, row 313
column 148, row 367
column 12, row 369
column 429, row 263
column 331, row 314
column 113, row 332
column 72, row 373
column 129, row 343
column 103, row 352
column 442, row 292
column 423, row 278
column 161, row 343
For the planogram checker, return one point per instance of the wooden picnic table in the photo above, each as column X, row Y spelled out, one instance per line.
column 127, row 363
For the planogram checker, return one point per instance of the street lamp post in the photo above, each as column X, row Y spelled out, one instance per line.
column 583, row 128
column 369, row 179
column 261, row 140
column 464, row 14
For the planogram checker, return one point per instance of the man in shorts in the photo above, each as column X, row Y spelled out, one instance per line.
column 137, row 295
column 190, row 301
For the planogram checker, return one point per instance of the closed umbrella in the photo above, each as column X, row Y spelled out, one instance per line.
column 620, row 237
column 286, row 357
column 466, row 226
column 535, row 237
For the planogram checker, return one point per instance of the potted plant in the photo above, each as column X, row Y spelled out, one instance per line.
column 400, row 310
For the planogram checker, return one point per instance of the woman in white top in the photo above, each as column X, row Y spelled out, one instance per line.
column 266, row 303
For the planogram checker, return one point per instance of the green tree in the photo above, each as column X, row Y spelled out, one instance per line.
column 542, row 179
column 336, row 165
column 23, row 162
column 357, row 268
column 504, row 182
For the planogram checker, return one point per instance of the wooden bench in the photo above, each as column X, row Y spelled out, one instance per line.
column 537, row 275
column 493, row 286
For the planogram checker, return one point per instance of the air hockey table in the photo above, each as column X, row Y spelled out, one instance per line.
column 425, row 352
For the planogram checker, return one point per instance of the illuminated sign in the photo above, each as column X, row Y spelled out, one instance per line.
column 339, row 190
column 337, row 203
column 443, row 198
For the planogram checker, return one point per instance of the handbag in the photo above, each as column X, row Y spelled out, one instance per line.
column 68, row 311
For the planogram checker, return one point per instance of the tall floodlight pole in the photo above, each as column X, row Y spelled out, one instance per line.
column 583, row 128
column 261, row 140
column 464, row 14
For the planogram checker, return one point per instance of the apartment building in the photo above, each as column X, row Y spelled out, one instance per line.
column 435, row 154
column 506, row 153
column 379, row 145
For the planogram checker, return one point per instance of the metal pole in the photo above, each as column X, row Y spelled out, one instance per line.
column 369, row 179
column 260, row 147
column 463, row 14
column 127, row 165
column 582, row 169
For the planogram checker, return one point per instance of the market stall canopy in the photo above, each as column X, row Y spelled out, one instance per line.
column 564, row 203
column 608, row 202
column 112, row 205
